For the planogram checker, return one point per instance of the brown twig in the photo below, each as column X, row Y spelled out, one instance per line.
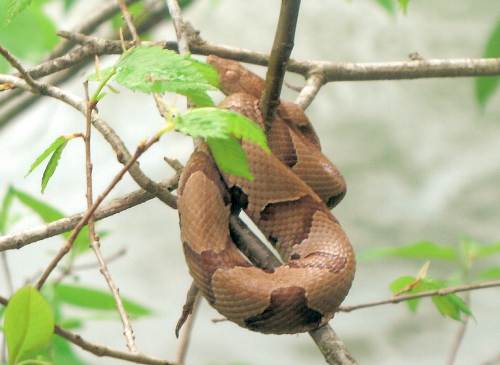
column 185, row 337
column 21, row 239
column 99, row 350
column 94, row 239
column 459, row 336
column 424, row 294
column 69, row 243
column 188, row 307
column 280, row 54
column 128, row 20
column 17, row 65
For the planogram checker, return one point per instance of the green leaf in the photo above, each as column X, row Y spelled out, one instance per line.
column 58, row 142
column 486, row 86
column 134, row 9
column 491, row 273
column 230, row 157
column 5, row 209
column 29, row 324
column 450, row 305
column 158, row 70
column 488, row 250
column 419, row 250
column 388, row 5
column 54, row 151
column 29, row 36
column 13, row 8
column 220, row 124
column 68, row 4
column 403, row 4
column 90, row 298
column 397, row 285
column 49, row 214
column 52, row 165
column 63, row 354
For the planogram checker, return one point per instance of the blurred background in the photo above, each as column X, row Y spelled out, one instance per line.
column 421, row 159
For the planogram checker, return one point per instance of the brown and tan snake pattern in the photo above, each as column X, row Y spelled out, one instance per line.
column 288, row 199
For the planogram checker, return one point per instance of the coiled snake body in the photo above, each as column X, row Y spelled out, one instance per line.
column 289, row 200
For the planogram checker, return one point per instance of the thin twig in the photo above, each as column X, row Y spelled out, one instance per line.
column 128, row 20
column 187, row 309
column 280, row 54
column 7, row 274
column 182, row 37
column 459, row 336
column 424, row 294
column 99, row 350
column 94, row 239
column 17, row 65
column 69, row 243
column 310, row 90
column 185, row 337
column 127, row 201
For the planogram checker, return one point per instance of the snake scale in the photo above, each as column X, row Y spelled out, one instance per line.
column 289, row 199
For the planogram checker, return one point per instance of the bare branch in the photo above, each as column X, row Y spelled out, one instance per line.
column 17, row 65
column 188, row 307
column 128, row 19
column 310, row 90
column 94, row 239
column 69, row 243
column 459, row 336
column 185, row 338
column 18, row 240
column 424, row 294
column 331, row 346
column 182, row 37
column 102, row 351
column 280, row 53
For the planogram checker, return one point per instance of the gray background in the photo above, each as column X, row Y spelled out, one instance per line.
column 420, row 159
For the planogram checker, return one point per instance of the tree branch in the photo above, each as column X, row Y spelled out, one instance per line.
column 280, row 53
column 313, row 83
column 424, row 294
column 21, row 239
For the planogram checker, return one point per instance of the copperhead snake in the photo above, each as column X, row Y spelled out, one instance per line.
column 288, row 199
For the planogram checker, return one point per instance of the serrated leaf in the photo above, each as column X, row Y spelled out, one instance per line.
column 52, row 165
column 29, row 324
column 220, row 123
column 419, row 250
column 485, row 87
column 90, row 298
column 388, row 5
column 158, row 70
column 491, row 273
column 230, row 157
column 13, row 8
column 5, row 209
column 49, row 214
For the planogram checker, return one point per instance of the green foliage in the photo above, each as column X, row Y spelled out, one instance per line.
column 492, row 273
column 63, row 353
column 158, row 70
column 135, row 10
column 223, row 129
column 420, row 250
column 403, row 4
column 13, row 8
column 29, row 35
column 450, row 305
column 5, row 209
column 388, row 5
column 28, row 324
column 49, row 214
column 54, row 151
column 486, row 86
column 90, row 298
